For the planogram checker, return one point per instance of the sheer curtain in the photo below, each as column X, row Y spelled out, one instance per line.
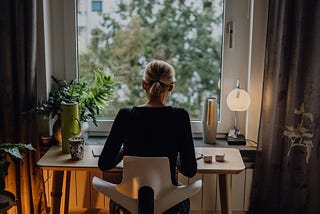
column 287, row 171
column 18, row 42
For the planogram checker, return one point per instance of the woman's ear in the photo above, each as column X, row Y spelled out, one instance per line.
column 170, row 87
column 145, row 85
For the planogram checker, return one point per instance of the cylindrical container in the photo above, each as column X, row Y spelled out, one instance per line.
column 70, row 123
column 210, row 120
column 76, row 148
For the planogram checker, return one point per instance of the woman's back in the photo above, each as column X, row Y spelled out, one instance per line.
column 153, row 129
column 162, row 131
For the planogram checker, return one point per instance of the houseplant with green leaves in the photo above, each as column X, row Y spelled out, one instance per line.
column 15, row 152
column 91, row 95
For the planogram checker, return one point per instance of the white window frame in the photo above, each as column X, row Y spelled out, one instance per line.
column 246, row 54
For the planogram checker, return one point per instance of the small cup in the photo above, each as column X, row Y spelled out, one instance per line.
column 76, row 148
column 207, row 158
column 219, row 157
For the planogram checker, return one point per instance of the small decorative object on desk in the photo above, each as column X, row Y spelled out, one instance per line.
column 76, row 148
column 219, row 157
column 207, row 158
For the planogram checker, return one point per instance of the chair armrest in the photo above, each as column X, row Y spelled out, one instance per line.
column 176, row 195
column 110, row 190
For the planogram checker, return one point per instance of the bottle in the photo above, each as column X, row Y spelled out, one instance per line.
column 210, row 120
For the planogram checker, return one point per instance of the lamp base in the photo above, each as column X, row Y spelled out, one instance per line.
column 239, row 140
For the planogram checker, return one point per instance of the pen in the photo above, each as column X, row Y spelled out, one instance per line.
column 199, row 156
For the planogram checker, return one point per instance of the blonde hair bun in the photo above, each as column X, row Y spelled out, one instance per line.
column 158, row 75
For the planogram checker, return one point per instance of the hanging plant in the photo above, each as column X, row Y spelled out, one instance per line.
column 299, row 135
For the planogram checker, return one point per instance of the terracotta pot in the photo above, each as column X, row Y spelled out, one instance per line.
column 56, row 131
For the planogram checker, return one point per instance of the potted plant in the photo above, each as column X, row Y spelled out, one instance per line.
column 14, row 150
column 91, row 96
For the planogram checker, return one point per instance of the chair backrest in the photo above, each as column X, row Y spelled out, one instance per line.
column 144, row 171
column 146, row 186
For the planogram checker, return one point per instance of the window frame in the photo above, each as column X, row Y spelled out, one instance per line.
column 237, row 61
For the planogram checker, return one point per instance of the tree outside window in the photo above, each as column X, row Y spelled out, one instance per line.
column 187, row 34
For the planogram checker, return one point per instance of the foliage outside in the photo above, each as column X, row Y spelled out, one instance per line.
column 186, row 35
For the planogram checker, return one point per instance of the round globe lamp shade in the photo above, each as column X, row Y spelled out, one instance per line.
column 238, row 100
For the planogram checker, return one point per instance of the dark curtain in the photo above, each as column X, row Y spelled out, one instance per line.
column 18, row 39
column 287, row 173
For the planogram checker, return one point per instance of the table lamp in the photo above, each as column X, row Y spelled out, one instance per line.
column 237, row 100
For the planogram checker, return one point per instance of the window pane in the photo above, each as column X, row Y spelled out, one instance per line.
column 129, row 34
column 96, row 6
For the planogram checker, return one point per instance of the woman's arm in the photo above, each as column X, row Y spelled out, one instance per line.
column 112, row 152
column 187, row 159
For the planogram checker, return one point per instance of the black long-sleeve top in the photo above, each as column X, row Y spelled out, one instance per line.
column 145, row 131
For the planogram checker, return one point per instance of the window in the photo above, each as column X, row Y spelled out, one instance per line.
column 127, row 35
column 96, row 6
column 234, row 64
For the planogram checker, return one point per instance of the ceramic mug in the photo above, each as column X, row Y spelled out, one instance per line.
column 76, row 148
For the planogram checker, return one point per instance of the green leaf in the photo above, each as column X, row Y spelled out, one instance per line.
column 14, row 153
column 296, row 111
column 308, row 142
column 290, row 128
column 309, row 115
column 14, row 150
column 307, row 135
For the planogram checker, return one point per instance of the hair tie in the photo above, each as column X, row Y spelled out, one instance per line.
column 157, row 81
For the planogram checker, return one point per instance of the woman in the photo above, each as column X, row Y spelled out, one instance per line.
column 153, row 129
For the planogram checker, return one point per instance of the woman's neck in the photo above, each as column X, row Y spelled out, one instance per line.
column 154, row 101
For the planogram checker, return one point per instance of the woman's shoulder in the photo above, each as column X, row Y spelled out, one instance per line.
column 180, row 110
column 175, row 110
column 125, row 111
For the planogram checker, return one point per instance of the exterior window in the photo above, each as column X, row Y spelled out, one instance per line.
column 96, row 6
column 128, row 34
column 207, row 42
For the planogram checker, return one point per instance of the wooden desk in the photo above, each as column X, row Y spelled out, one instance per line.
column 59, row 162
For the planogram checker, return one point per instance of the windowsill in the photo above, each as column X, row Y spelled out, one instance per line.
column 248, row 153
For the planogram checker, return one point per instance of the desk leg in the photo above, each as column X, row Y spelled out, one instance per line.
column 67, row 194
column 225, row 193
column 56, row 193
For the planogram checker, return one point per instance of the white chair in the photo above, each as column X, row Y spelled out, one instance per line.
column 150, row 172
